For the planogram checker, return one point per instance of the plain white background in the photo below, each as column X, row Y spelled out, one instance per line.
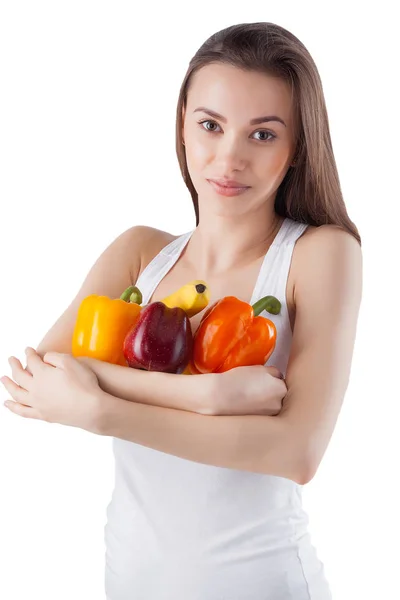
column 87, row 118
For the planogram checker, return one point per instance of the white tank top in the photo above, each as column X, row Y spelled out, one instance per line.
column 182, row 530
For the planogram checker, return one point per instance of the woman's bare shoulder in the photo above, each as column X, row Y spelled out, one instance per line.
column 314, row 241
column 313, row 236
column 147, row 243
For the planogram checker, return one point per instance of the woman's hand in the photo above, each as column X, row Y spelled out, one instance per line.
column 253, row 390
column 57, row 389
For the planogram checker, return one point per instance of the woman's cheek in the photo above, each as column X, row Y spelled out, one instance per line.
column 277, row 164
column 200, row 152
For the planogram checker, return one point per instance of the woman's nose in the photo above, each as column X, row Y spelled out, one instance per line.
column 231, row 154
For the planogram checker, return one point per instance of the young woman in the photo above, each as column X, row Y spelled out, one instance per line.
column 210, row 467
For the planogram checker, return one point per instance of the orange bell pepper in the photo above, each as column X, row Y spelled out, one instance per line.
column 232, row 334
column 102, row 324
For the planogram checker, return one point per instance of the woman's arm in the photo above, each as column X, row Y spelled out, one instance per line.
column 327, row 296
column 152, row 387
column 194, row 393
column 247, row 442
column 235, row 442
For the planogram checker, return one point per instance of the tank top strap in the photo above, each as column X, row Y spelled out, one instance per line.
column 275, row 268
column 292, row 231
column 162, row 262
column 273, row 281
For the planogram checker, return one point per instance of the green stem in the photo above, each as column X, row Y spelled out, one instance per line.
column 132, row 294
column 268, row 303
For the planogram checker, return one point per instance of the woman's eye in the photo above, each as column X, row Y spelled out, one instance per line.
column 207, row 121
column 263, row 131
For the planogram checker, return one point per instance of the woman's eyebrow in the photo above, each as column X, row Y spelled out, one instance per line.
column 255, row 121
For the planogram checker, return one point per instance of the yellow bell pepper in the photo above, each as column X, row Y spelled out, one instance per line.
column 102, row 324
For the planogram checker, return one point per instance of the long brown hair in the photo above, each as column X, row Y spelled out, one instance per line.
column 310, row 192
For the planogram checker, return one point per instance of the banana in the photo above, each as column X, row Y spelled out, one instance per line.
column 192, row 297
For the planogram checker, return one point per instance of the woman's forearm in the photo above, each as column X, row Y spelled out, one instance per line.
column 245, row 442
column 155, row 388
column 154, row 418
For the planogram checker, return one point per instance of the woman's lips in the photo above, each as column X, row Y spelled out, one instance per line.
column 227, row 190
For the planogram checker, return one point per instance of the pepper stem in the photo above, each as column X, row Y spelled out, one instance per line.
column 132, row 294
column 268, row 303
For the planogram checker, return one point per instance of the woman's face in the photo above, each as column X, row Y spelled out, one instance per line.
column 228, row 146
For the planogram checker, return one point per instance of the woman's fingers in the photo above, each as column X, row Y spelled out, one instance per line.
column 22, row 410
column 17, row 392
column 22, row 377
